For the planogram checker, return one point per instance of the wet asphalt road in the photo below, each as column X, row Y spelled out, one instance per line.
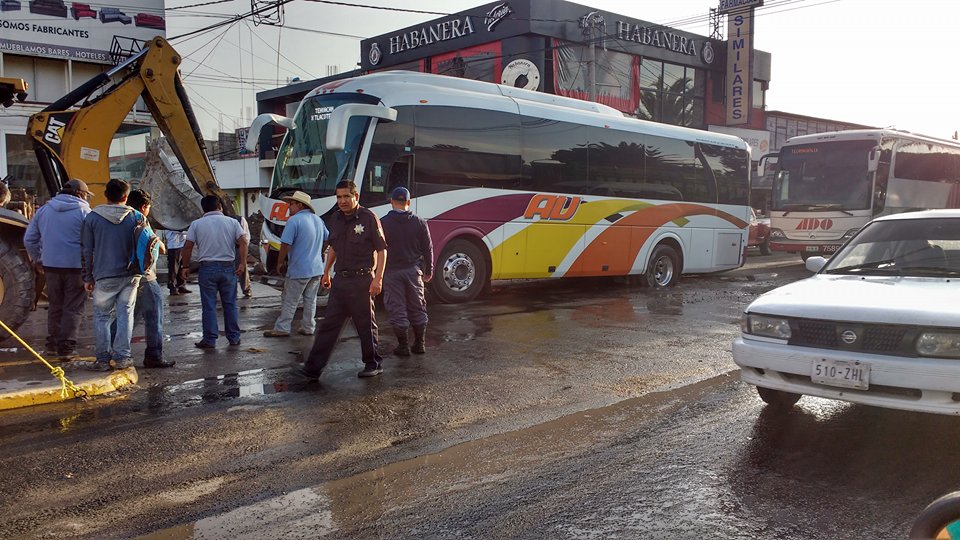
column 562, row 409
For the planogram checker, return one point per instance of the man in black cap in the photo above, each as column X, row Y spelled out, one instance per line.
column 53, row 243
column 360, row 251
column 411, row 264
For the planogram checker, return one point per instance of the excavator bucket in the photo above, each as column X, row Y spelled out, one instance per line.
column 175, row 201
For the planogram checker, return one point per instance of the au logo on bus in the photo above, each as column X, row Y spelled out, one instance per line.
column 552, row 207
column 279, row 211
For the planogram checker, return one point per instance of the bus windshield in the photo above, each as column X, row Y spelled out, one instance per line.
column 823, row 176
column 303, row 163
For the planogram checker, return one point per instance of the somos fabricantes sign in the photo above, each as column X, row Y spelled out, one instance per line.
column 85, row 32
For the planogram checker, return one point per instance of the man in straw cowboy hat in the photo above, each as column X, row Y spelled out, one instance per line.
column 301, row 245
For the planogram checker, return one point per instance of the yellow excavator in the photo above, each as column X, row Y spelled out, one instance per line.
column 72, row 136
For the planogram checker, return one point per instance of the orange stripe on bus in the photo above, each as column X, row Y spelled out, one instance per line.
column 608, row 248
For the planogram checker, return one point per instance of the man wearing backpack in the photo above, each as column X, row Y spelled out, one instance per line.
column 149, row 294
column 107, row 247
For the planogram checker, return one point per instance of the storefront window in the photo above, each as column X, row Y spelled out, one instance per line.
column 671, row 93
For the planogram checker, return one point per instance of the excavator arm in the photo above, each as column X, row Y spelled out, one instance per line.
column 12, row 90
column 73, row 141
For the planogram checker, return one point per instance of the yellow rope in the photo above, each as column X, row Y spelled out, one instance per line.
column 55, row 371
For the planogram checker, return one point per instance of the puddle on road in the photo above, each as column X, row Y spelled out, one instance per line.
column 340, row 508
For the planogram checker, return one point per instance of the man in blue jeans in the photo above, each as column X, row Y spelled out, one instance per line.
column 107, row 246
column 217, row 239
column 150, row 296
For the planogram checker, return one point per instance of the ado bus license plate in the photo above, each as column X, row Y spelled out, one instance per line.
column 841, row 373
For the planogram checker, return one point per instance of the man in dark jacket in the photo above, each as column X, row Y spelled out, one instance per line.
column 410, row 264
column 53, row 243
column 107, row 243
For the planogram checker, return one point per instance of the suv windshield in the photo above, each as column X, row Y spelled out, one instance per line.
column 303, row 163
column 828, row 176
column 906, row 247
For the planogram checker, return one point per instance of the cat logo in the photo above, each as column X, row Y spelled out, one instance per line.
column 54, row 131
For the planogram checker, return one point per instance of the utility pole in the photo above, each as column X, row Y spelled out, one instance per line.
column 589, row 23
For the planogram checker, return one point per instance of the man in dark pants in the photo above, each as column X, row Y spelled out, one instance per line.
column 411, row 264
column 359, row 249
column 53, row 243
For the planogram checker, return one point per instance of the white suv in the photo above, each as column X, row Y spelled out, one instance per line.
column 878, row 324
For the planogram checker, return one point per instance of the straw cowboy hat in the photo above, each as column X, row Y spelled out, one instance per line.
column 300, row 197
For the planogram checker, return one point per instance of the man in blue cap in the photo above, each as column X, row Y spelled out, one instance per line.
column 409, row 266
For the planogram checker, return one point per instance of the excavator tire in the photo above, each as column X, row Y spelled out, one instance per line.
column 16, row 286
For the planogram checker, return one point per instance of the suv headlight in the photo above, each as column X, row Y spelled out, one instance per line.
column 763, row 325
column 942, row 344
column 777, row 233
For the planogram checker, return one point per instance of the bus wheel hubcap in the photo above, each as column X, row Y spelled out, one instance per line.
column 458, row 272
column 663, row 271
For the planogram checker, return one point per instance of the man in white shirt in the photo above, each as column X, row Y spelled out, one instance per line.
column 219, row 241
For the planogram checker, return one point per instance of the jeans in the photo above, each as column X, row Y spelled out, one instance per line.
column 293, row 291
column 114, row 298
column 150, row 306
column 67, row 296
column 214, row 278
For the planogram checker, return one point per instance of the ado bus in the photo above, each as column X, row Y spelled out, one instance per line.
column 829, row 185
column 518, row 184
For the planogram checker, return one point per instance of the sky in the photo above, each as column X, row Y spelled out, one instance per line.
column 882, row 63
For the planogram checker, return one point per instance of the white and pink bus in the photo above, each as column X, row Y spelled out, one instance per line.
column 518, row 184
column 829, row 185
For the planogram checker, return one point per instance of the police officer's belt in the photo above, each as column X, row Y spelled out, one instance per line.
column 354, row 273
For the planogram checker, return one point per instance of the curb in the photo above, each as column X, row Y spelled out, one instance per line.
column 50, row 393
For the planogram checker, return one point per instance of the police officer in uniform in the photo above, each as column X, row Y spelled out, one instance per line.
column 411, row 264
column 358, row 247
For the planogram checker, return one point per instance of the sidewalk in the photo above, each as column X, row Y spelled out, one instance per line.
column 25, row 381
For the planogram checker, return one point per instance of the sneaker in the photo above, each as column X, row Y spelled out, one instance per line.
column 204, row 345
column 248, row 294
column 98, row 366
column 276, row 333
column 184, row 290
column 174, row 293
column 123, row 363
column 303, row 332
column 158, row 363
column 370, row 372
column 234, row 343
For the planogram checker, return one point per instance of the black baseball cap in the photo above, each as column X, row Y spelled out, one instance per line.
column 400, row 194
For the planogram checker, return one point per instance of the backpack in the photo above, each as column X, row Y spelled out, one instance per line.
column 146, row 246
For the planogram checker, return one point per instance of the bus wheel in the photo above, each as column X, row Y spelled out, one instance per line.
column 663, row 270
column 462, row 272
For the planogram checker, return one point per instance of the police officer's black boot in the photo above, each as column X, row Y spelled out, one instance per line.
column 418, row 332
column 403, row 346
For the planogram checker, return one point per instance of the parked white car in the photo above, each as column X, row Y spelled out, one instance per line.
column 878, row 324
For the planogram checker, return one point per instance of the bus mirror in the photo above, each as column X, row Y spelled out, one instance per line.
column 340, row 120
column 254, row 135
column 762, row 164
column 873, row 160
